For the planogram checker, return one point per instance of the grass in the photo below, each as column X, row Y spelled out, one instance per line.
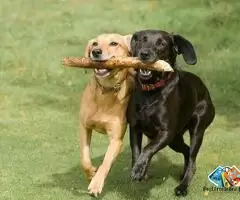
column 39, row 99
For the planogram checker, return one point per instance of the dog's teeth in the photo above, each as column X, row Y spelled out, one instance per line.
column 148, row 72
column 100, row 70
column 145, row 72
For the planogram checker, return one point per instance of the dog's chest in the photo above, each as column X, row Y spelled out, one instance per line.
column 146, row 123
column 146, row 116
column 103, row 120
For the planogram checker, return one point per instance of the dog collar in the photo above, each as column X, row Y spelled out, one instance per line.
column 158, row 84
column 115, row 88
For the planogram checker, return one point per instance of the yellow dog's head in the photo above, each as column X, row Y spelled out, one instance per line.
column 107, row 46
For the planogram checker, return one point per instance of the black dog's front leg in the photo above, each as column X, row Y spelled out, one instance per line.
column 136, row 144
column 140, row 168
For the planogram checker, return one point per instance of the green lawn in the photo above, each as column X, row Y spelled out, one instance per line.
column 39, row 99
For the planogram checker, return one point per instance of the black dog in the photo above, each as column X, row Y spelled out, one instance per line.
column 165, row 105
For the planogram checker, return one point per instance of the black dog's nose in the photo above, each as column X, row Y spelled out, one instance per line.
column 144, row 54
column 96, row 52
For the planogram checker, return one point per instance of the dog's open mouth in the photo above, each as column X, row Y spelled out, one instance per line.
column 102, row 72
column 145, row 74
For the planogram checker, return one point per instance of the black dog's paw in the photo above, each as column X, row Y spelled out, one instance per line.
column 139, row 170
column 180, row 190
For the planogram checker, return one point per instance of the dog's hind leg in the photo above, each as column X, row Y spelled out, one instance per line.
column 180, row 146
column 201, row 119
column 196, row 137
column 85, row 140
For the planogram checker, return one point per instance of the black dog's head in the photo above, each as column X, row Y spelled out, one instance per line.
column 153, row 45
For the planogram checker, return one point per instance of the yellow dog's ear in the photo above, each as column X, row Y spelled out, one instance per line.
column 127, row 40
column 88, row 49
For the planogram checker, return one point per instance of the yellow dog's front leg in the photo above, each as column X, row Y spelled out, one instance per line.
column 96, row 185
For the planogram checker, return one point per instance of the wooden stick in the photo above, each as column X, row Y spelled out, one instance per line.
column 120, row 62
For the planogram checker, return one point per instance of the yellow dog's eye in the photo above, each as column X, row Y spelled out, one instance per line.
column 113, row 44
column 94, row 43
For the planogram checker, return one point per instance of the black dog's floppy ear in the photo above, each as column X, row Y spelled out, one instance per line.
column 185, row 48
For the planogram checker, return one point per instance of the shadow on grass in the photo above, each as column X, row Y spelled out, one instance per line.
column 118, row 180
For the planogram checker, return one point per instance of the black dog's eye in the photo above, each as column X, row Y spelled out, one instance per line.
column 113, row 44
column 160, row 43
column 134, row 37
column 145, row 39
column 94, row 43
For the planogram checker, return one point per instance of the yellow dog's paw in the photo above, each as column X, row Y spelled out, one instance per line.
column 90, row 173
column 96, row 185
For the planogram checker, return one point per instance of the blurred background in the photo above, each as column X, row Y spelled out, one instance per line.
column 39, row 98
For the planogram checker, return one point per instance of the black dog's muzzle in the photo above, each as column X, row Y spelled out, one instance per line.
column 147, row 55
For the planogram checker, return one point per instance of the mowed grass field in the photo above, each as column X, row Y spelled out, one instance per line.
column 39, row 98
